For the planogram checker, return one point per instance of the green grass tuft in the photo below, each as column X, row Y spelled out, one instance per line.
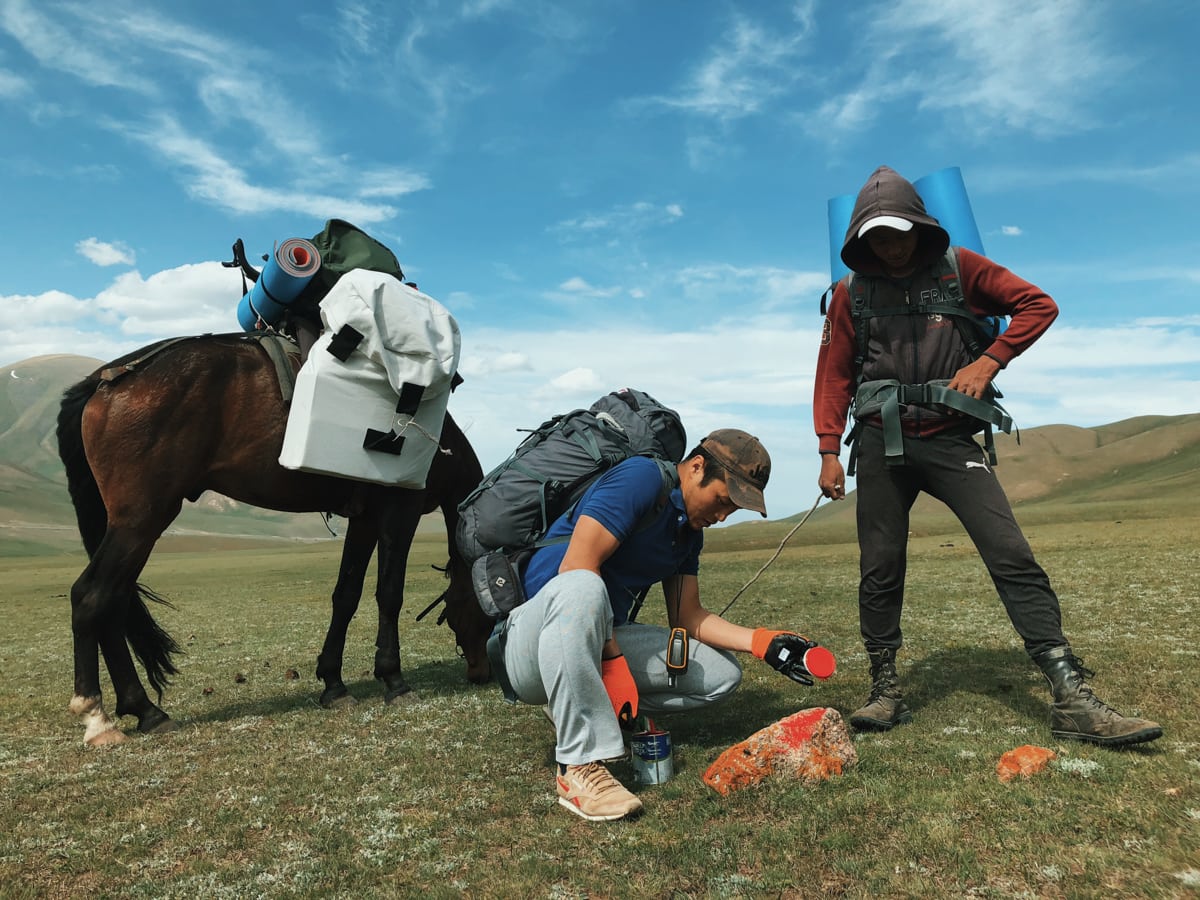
column 263, row 793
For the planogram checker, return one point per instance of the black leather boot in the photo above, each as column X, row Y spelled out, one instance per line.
column 885, row 707
column 1078, row 714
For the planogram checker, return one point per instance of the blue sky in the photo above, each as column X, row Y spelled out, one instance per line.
column 609, row 193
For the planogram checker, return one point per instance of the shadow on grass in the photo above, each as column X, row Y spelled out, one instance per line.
column 430, row 679
column 1002, row 674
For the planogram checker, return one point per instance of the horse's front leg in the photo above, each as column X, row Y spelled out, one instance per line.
column 361, row 536
column 398, row 525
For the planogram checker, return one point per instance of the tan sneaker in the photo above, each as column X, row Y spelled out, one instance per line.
column 590, row 791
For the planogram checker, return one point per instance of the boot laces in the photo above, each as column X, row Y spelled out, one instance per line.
column 883, row 684
column 1085, row 689
column 1080, row 669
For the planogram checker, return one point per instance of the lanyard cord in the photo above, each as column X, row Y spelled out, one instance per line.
column 779, row 550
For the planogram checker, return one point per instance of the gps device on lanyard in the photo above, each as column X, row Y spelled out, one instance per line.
column 677, row 654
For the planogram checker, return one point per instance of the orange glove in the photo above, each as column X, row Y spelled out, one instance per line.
column 622, row 689
column 762, row 640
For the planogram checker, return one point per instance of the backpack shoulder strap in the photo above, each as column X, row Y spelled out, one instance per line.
column 975, row 331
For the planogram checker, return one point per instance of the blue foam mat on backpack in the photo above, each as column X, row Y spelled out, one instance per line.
column 287, row 271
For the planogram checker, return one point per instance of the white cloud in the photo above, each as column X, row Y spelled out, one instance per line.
column 12, row 85
column 751, row 368
column 620, row 221
column 190, row 299
column 493, row 360
column 578, row 287
column 129, row 52
column 1028, row 64
column 103, row 253
column 220, row 182
column 130, row 312
column 1011, row 230
column 50, row 41
column 740, row 76
column 575, row 381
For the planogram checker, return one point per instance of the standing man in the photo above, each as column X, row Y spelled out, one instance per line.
column 901, row 347
column 573, row 647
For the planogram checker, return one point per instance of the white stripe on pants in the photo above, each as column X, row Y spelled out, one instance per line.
column 552, row 656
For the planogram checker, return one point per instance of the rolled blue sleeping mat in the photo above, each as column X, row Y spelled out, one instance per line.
column 286, row 273
column 945, row 197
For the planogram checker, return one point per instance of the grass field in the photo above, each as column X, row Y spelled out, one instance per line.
column 263, row 793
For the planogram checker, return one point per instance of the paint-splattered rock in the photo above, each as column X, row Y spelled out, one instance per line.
column 1024, row 761
column 811, row 745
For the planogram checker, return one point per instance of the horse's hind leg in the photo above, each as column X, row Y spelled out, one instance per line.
column 87, row 703
column 398, row 524
column 359, row 544
column 102, row 602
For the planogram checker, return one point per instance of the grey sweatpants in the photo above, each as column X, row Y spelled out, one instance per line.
column 552, row 656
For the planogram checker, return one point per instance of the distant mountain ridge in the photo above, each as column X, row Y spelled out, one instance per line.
column 35, row 509
column 1147, row 466
column 1132, row 467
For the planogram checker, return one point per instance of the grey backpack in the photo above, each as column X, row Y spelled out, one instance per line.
column 503, row 520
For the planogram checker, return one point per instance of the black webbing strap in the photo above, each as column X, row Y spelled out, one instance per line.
column 884, row 398
column 342, row 344
column 391, row 441
column 495, row 650
column 410, row 398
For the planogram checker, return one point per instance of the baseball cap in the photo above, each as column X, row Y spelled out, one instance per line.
column 885, row 222
column 746, row 463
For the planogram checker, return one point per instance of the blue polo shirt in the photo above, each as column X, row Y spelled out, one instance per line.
column 618, row 500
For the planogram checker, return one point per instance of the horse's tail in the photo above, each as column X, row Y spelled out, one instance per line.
column 149, row 642
column 81, row 482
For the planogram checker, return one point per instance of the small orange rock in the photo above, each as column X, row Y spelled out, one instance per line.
column 1024, row 761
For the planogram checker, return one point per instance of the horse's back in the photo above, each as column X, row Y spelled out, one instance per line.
column 186, row 416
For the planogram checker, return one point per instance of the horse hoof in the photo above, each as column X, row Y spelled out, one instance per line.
column 166, row 726
column 400, row 698
column 341, row 701
column 111, row 737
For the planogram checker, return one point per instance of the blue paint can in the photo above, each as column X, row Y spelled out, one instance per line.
column 651, row 753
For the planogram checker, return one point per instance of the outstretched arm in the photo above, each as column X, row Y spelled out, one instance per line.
column 706, row 627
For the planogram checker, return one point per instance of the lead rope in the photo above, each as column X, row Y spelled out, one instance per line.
column 779, row 550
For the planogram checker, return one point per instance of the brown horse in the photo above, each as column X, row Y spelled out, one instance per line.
column 181, row 417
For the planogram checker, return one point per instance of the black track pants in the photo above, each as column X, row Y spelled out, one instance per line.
column 954, row 469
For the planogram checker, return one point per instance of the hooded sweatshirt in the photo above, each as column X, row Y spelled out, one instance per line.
column 914, row 349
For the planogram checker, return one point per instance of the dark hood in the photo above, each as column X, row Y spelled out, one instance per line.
column 886, row 193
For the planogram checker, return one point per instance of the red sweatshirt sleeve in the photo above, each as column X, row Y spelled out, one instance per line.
column 833, row 387
column 991, row 289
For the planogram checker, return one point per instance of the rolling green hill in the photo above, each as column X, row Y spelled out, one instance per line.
column 1142, row 467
